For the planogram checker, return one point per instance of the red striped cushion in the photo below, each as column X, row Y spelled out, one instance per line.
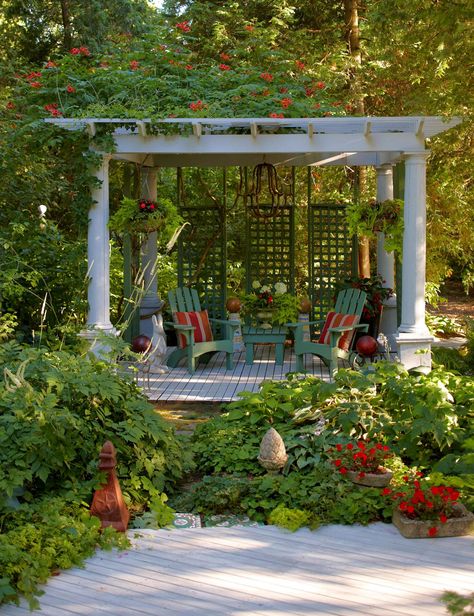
column 200, row 322
column 336, row 319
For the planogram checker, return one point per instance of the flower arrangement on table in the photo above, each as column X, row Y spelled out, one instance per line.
column 281, row 306
column 420, row 501
column 361, row 457
column 376, row 293
column 145, row 216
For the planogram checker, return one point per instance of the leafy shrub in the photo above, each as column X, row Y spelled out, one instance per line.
column 42, row 537
column 292, row 519
column 56, row 412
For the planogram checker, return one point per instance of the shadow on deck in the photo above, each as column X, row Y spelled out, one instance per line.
column 213, row 383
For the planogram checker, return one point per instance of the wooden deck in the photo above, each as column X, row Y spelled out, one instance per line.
column 213, row 383
column 265, row 571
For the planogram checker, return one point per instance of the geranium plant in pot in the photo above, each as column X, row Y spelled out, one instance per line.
column 424, row 510
column 363, row 462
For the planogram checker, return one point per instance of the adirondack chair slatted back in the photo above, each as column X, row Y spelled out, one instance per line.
column 184, row 300
column 350, row 301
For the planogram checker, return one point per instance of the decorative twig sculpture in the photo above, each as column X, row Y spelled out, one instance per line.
column 108, row 504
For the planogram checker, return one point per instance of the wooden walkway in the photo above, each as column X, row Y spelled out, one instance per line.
column 213, row 383
column 265, row 571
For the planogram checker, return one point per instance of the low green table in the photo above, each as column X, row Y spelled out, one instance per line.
column 260, row 335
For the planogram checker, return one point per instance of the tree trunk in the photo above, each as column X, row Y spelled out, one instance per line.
column 67, row 31
column 352, row 35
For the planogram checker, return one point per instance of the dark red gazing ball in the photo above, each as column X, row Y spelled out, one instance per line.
column 141, row 344
column 367, row 346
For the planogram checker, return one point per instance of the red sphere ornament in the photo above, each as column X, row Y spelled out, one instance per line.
column 141, row 344
column 233, row 305
column 366, row 346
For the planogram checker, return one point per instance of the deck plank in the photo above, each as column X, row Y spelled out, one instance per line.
column 213, row 383
column 265, row 571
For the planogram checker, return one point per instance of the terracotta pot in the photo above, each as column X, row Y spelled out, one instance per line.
column 371, row 480
column 462, row 524
column 305, row 305
column 233, row 305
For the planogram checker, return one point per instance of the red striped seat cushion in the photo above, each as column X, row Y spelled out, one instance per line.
column 336, row 319
column 200, row 322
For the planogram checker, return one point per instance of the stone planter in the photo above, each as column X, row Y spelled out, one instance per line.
column 462, row 524
column 371, row 480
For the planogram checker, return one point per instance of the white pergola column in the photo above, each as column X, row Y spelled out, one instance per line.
column 151, row 301
column 414, row 339
column 98, row 257
column 386, row 260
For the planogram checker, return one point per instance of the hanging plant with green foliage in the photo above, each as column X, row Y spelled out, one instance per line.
column 369, row 218
column 145, row 216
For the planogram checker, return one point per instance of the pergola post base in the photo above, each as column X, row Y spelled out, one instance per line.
column 414, row 350
column 97, row 340
column 388, row 322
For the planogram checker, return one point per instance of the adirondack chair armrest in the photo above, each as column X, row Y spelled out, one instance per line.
column 342, row 328
column 182, row 328
column 364, row 327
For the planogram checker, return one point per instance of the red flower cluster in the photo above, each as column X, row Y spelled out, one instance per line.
column 33, row 76
column 286, row 102
column 50, row 64
column 197, row 106
column 276, row 115
column 189, row 67
column 134, row 64
column 425, row 502
column 10, row 105
column 146, row 206
column 265, row 299
column 53, row 110
column 249, row 28
column 300, row 65
column 71, row 89
column 320, row 85
column 224, row 57
column 224, row 67
column 363, row 456
column 183, row 26
column 266, row 76
column 80, row 51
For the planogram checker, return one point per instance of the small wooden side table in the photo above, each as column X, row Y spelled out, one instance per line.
column 259, row 335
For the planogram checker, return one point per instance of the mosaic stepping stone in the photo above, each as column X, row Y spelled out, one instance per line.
column 186, row 520
column 230, row 521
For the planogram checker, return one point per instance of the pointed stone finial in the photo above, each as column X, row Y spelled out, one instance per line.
column 108, row 504
column 273, row 454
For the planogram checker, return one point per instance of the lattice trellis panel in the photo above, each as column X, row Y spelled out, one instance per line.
column 202, row 256
column 329, row 254
column 270, row 248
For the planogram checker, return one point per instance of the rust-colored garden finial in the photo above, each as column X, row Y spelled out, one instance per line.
column 108, row 504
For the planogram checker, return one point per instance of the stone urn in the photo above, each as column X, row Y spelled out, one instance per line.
column 462, row 523
column 272, row 454
column 371, row 480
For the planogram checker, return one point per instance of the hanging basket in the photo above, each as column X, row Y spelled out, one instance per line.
column 142, row 216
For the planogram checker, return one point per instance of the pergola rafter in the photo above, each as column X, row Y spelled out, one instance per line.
column 380, row 142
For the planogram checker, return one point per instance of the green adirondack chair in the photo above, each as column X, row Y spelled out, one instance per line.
column 348, row 302
column 185, row 300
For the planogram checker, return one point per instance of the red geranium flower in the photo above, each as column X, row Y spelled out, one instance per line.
column 134, row 64
column 320, row 85
column 183, row 26
column 276, row 115
column 299, row 65
column 50, row 64
column 224, row 57
column 433, row 531
column 286, row 102
column 71, row 89
column 224, row 67
column 266, row 76
column 249, row 27
column 35, row 84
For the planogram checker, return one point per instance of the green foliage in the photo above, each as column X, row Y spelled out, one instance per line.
column 292, row 519
column 215, row 495
column 369, row 218
column 56, row 412
column 159, row 514
column 458, row 605
column 40, row 538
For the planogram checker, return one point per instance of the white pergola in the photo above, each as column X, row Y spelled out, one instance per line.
column 380, row 142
